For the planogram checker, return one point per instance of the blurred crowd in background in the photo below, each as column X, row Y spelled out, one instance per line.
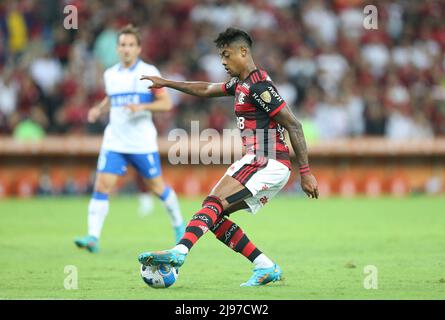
column 341, row 79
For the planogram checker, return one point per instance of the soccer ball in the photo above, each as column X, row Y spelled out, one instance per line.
column 162, row 276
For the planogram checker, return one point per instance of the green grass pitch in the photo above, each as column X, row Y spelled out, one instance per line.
column 322, row 246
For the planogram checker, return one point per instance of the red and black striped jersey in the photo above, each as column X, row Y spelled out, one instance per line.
column 257, row 101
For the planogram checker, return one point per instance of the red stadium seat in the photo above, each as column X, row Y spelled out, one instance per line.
column 373, row 185
column 398, row 185
column 347, row 186
column 5, row 186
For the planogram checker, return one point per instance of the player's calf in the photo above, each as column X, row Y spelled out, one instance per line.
column 202, row 221
column 234, row 237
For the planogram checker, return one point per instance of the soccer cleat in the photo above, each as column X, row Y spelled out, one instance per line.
column 170, row 257
column 179, row 232
column 88, row 242
column 263, row 276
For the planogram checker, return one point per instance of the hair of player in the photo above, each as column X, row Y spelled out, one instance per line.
column 231, row 35
column 130, row 29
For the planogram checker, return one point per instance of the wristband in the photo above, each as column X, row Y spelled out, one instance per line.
column 304, row 170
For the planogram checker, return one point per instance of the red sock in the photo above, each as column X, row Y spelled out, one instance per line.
column 202, row 221
column 233, row 236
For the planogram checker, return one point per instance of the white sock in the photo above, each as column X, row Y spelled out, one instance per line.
column 262, row 261
column 97, row 211
column 170, row 201
column 145, row 204
column 181, row 248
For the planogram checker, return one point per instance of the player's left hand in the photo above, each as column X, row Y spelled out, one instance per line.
column 310, row 186
column 134, row 107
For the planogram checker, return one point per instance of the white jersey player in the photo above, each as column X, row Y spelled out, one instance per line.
column 130, row 137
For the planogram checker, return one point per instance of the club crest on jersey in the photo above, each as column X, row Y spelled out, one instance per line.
column 264, row 200
column 266, row 97
column 241, row 97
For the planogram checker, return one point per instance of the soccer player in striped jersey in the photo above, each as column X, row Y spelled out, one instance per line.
column 130, row 136
column 262, row 116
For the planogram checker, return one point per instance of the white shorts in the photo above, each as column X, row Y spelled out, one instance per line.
column 262, row 177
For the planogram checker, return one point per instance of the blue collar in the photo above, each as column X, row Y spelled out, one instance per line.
column 132, row 67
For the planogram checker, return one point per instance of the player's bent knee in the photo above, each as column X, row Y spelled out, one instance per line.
column 104, row 184
column 156, row 185
column 213, row 199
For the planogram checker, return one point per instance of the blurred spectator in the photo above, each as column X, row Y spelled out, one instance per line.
column 15, row 28
column 47, row 72
column 73, row 114
column 28, row 130
column 8, row 95
column 342, row 79
column 321, row 21
column 376, row 55
column 332, row 67
column 331, row 118
column 105, row 45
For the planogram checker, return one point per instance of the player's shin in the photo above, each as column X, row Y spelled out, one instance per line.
column 97, row 211
column 170, row 200
column 234, row 237
column 201, row 222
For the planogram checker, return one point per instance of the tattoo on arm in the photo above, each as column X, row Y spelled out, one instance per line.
column 299, row 144
column 287, row 119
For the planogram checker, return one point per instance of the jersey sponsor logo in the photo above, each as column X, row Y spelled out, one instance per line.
column 231, row 83
column 275, row 94
column 261, row 102
column 123, row 99
column 266, row 97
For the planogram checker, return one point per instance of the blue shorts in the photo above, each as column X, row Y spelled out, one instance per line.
column 147, row 164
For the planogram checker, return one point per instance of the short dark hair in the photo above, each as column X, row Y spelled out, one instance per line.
column 130, row 29
column 231, row 35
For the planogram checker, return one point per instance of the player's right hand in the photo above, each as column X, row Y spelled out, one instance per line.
column 310, row 186
column 93, row 114
column 157, row 82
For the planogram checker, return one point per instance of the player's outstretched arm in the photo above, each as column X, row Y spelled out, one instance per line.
column 287, row 119
column 196, row 88
column 101, row 108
